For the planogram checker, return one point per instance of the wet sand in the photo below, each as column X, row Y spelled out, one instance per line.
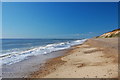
column 24, row 68
column 96, row 58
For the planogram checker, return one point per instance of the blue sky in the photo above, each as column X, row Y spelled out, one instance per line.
column 60, row 0
column 58, row 19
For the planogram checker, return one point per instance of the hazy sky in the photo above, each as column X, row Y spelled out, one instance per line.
column 58, row 19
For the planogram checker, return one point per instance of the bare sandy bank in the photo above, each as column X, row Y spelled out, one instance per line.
column 96, row 58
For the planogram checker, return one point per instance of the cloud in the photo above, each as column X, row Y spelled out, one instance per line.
column 90, row 32
column 77, row 35
column 83, row 34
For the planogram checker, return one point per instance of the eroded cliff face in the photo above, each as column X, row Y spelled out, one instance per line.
column 111, row 34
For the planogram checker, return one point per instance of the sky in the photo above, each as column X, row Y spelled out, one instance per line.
column 60, row 0
column 58, row 19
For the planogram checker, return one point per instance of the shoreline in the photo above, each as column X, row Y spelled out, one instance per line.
column 53, row 67
column 24, row 68
column 51, row 64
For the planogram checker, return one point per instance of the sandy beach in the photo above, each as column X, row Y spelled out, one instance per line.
column 96, row 58
column 60, row 39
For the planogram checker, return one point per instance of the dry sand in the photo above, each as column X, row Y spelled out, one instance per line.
column 96, row 58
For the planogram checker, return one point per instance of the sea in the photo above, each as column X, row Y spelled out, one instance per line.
column 16, row 50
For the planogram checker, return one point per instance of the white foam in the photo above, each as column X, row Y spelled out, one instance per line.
column 13, row 57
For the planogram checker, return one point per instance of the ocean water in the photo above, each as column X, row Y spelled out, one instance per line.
column 16, row 50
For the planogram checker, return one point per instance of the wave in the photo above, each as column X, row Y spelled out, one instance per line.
column 17, row 56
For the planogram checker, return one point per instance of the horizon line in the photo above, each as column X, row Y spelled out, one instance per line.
column 43, row 38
